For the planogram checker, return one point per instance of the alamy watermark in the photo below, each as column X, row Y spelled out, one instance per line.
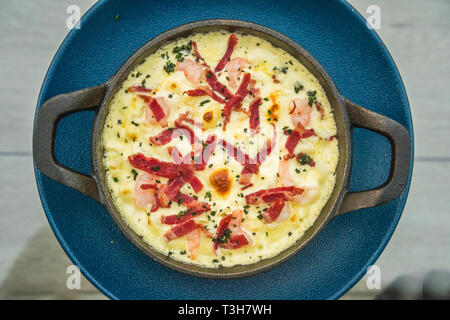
column 74, row 279
column 374, row 17
column 373, row 277
column 73, row 20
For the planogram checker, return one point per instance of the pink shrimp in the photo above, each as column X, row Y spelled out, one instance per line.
column 300, row 112
column 234, row 68
column 286, row 181
column 235, row 225
column 193, row 243
column 143, row 197
column 285, row 213
column 193, row 71
column 149, row 115
column 285, row 177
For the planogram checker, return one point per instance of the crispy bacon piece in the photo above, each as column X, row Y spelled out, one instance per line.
column 296, row 135
column 138, row 89
column 292, row 141
column 149, row 186
column 223, row 225
column 166, row 169
column 163, row 137
column 237, row 237
column 205, row 91
column 216, row 85
column 232, row 41
column 247, row 186
column 167, row 192
column 184, row 117
column 236, row 241
column 159, row 109
column 180, row 129
column 254, row 116
column 194, row 208
column 273, row 194
column 180, row 230
column 155, row 166
column 273, row 212
column 234, row 101
column 197, row 54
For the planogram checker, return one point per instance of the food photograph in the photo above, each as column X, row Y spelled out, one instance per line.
column 208, row 151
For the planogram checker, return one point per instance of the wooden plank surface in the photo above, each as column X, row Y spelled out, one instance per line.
column 33, row 265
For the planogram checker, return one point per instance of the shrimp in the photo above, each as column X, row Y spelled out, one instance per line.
column 193, row 71
column 193, row 243
column 300, row 112
column 285, row 213
column 285, row 177
column 234, row 68
column 309, row 194
column 143, row 197
column 150, row 117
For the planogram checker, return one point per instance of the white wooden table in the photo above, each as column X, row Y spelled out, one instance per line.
column 33, row 265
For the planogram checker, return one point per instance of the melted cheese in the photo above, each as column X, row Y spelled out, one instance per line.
column 126, row 132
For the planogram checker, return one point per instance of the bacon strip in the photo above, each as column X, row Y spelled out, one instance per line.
column 235, row 241
column 234, row 101
column 273, row 195
column 155, row 166
column 180, row 230
column 169, row 134
column 296, row 135
column 216, row 85
column 223, row 225
column 163, row 137
column 166, row 169
column 138, row 89
column 194, row 208
column 204, row 91
column 273, row 212
column 197, row 54
column 167, row 193
column 156, row 109
column 232, row 41
column 254, row 116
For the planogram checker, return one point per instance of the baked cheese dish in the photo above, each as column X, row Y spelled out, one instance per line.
column 220, row 149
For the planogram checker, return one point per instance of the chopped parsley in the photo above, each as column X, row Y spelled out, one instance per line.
column 304, row 159
column 135, row 174
column 225, row 236
column 298, row 86
column 115, row 179
column 204, row 102
column 169, row 67
column 311, row 97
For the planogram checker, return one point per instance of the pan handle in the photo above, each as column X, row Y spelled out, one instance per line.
column 44, row 137
column 401, row 154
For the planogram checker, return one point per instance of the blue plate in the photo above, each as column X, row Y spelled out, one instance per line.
column 355, row 58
